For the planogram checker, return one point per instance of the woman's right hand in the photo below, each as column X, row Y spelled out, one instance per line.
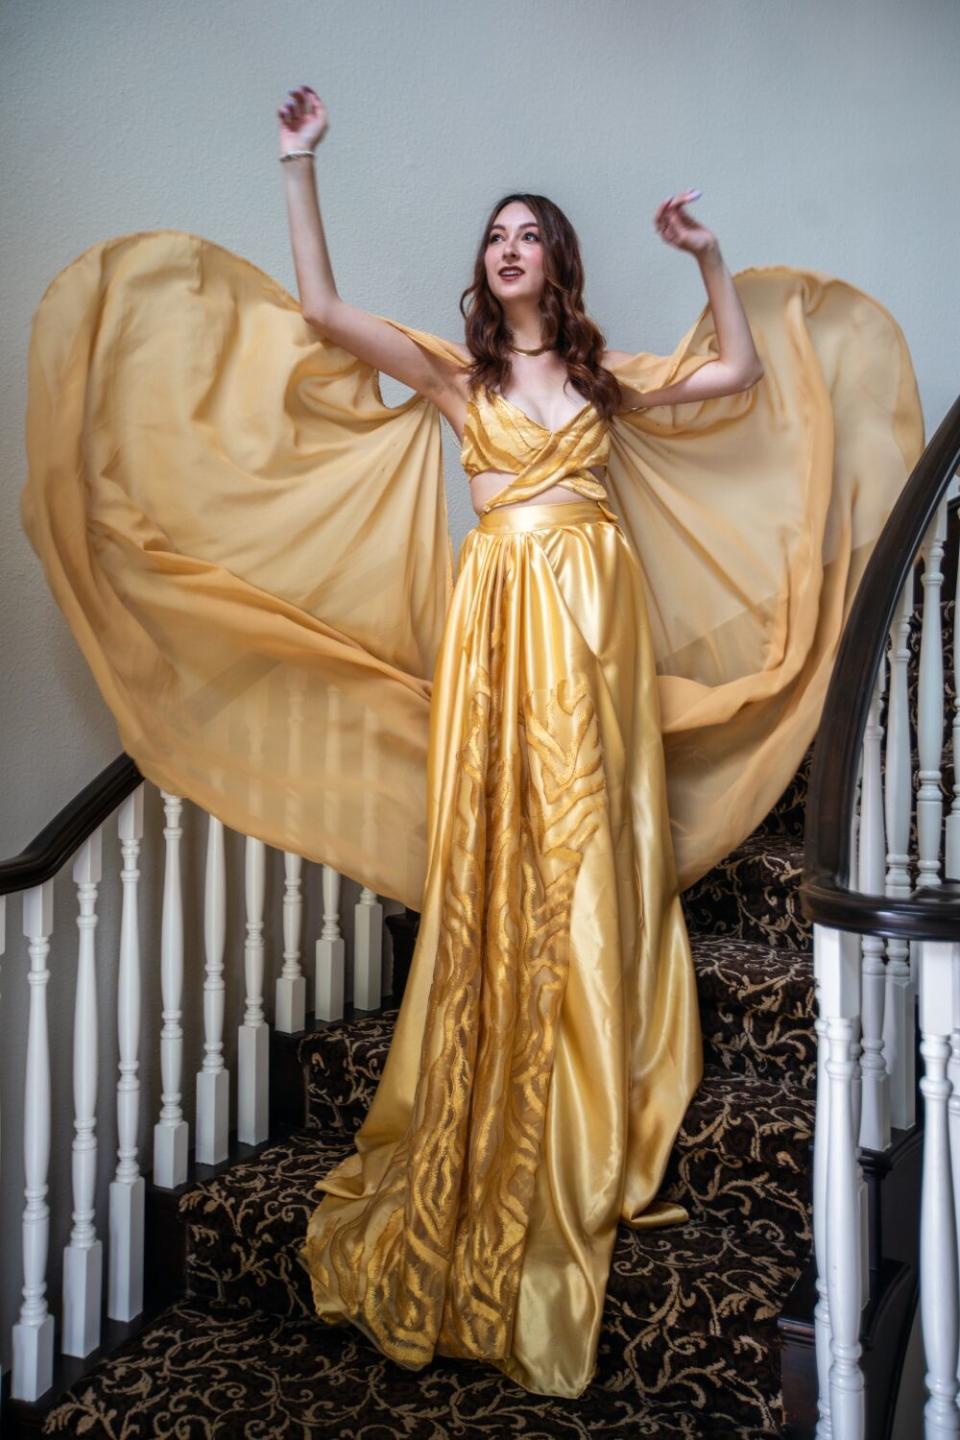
column 303, row 120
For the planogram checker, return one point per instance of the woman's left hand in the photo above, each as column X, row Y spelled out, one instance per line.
column 678, row 228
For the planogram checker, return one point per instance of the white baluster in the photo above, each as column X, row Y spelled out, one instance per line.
column 83, row 1257
column 930, row 706
column 253, row 1050
column 952, row 859
column 33, row 1334
column 290, row 1002
column 839, row 971
column 368, row 912
column 213, row 1081
column 3, row 947
column 875, row 1107
column 171, row 1133
column 821, row 1138
column 898, row 1006
column 128, row 1188
column 855, row 831
column 953, row 1124
column 330, row 952
column 367, row 947
column 938, row 1257
column 291, row 999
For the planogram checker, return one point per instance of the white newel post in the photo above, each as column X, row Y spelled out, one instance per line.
column 331, row 949
column 33, row 1334
column 367, row 949
column 875, row 1107
column 128, row 1188
column 213, row 1080
column 898, row 1006
column 171, row 1133
column 291, row 993
column 83, row 1257
column 253, row 1050
column 838, row 971
column 938, row 1256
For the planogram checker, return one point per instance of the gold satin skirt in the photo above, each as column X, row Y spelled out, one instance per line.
column 548, row 1042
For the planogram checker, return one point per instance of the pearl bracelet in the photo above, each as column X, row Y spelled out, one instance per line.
column 292, row 154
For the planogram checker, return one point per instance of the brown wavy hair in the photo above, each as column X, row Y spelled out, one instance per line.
column 566, row 325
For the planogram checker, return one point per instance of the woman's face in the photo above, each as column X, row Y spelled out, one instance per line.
column 513, row 240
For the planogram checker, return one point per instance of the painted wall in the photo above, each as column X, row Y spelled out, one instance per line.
column 821, row 134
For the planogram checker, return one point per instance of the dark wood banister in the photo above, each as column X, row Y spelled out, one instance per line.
column 66, row 832
column 931, row 913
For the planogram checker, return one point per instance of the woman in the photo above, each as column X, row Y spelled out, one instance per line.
column 251, row 550
column 548, row 1042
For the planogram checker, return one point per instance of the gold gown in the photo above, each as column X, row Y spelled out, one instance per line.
column 252, row 552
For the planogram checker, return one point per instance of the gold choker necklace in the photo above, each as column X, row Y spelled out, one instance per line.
column 538, row 351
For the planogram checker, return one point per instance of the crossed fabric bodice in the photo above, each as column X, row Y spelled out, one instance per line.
column 498, row 435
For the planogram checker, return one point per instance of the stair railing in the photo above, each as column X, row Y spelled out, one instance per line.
column 880, row 885
column 116, row 797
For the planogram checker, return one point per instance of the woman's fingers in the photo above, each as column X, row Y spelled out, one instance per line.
column 673, row 202
column 669, row 217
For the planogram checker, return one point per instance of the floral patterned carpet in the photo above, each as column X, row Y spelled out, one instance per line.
column 689, row 1346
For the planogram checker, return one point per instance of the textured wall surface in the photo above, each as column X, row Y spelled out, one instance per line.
column 818, row 134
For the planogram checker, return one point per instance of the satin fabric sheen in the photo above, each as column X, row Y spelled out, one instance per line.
column 195, row 449
column 548, row 1042
column 252, row 552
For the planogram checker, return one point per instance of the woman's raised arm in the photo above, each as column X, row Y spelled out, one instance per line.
column 303, row 123
column 738, row 366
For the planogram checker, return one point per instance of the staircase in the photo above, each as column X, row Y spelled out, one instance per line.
column 689, row 1345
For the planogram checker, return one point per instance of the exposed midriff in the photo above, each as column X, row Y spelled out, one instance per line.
column 488, row 483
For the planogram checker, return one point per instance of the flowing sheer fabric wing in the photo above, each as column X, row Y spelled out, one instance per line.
column 251, row 549
column 754, row 515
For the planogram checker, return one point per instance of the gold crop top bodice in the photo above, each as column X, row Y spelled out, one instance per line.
column 499, row 436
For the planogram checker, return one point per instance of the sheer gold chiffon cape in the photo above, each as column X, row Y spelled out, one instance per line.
column 252, row 549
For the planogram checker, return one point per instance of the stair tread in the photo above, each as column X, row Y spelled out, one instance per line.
column 247, row 1373
column 747, row 1106
column 754, row 891
column 246, row 1226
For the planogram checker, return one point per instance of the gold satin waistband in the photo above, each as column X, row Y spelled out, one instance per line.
column 545, row 516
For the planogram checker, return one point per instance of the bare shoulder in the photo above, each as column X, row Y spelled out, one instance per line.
column 632, row 399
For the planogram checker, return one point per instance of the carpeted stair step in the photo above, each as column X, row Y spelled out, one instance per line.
column 756, row 1011
column 743, row 1150
column 691, row 1316
column 216, row 1374
column 742, row 1155
column 756, row 1008
column 786, row 817
column 343, row 1061
column 753, row 893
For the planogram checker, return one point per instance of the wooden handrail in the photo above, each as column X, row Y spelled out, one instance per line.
column 45, row 854
column 826, row 896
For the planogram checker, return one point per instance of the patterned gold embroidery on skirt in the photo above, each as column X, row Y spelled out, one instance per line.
column 458, row 1191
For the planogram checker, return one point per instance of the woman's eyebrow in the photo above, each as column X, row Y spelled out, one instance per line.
column 530, row 225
